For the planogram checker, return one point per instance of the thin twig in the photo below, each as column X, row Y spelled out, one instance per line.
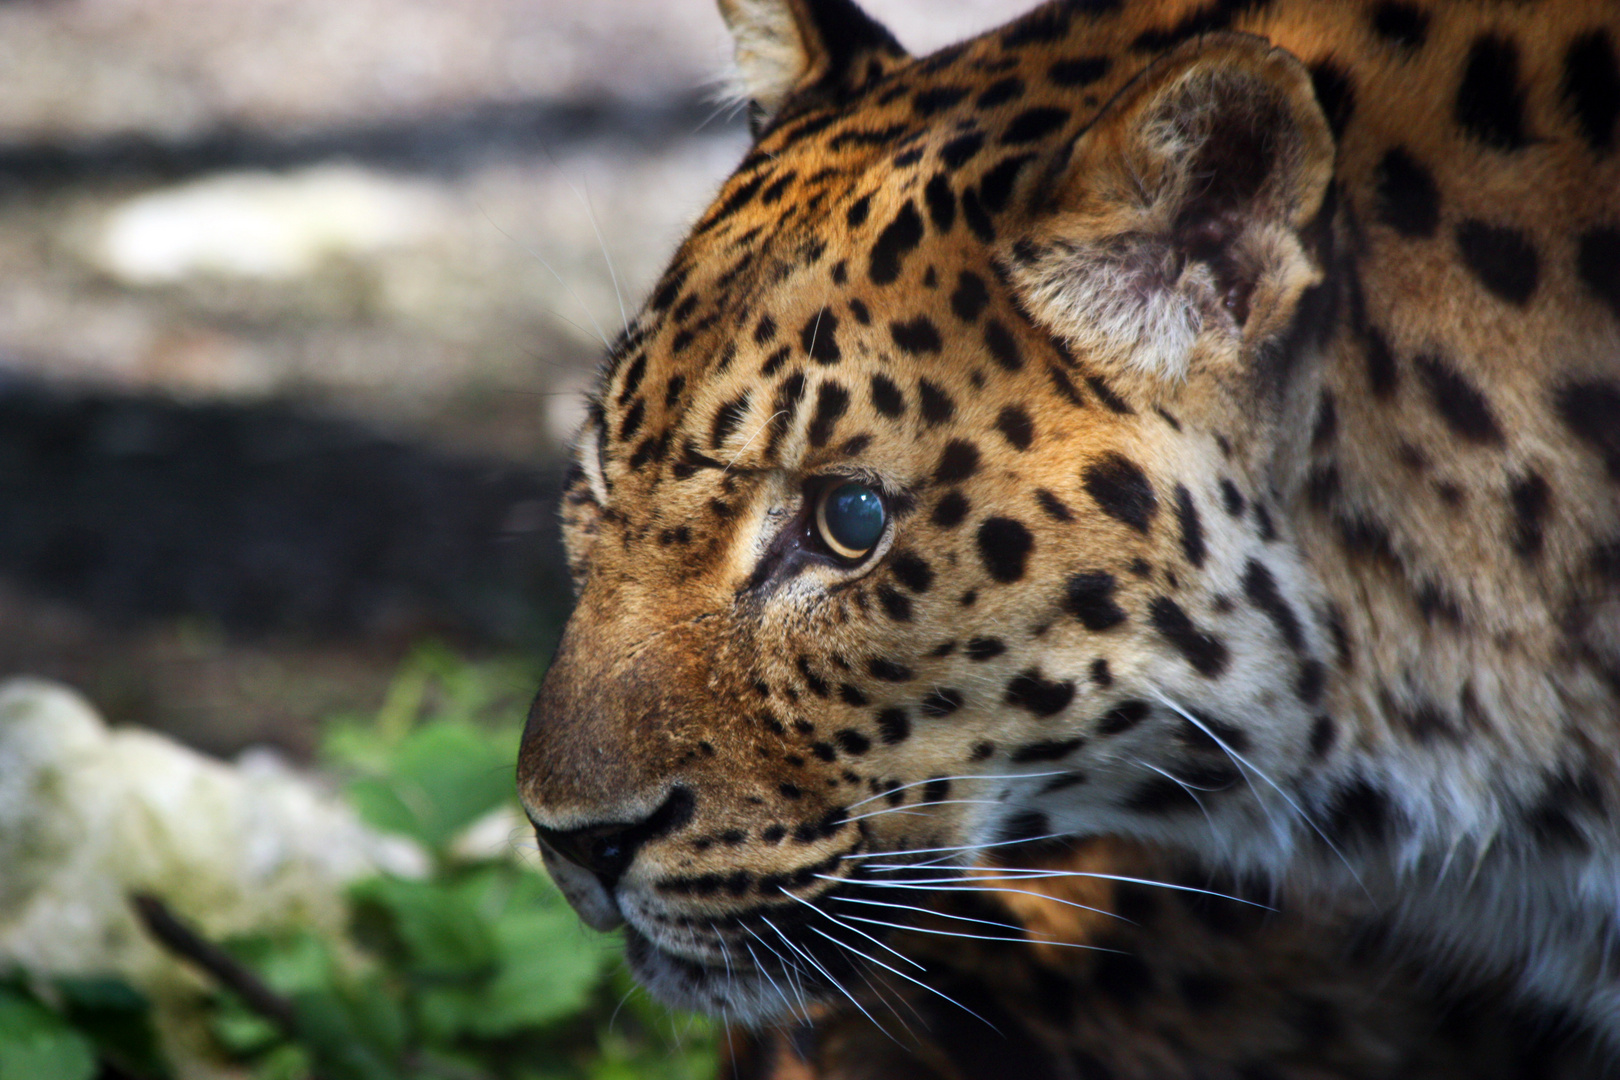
column 225, row 969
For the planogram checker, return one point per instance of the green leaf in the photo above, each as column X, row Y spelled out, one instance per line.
column 549, row 968
column 430, row 928
column 439, row 779
column 118, row 1019
column 38, row 1044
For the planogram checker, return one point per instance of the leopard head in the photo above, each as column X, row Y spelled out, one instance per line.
column 927, row 507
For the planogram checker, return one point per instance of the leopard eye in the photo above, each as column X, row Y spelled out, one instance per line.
column 850, row 518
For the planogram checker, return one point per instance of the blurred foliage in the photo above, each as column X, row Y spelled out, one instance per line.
column 479, row 971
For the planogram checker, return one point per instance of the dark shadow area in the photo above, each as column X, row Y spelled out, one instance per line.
column 443, row 144
column 264, row 520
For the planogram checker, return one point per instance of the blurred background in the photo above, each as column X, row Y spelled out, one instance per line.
column 297, row 302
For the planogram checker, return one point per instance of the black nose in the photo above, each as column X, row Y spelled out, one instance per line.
column 607, row 850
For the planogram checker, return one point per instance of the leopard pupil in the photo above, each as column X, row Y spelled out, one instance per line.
column 853, row 516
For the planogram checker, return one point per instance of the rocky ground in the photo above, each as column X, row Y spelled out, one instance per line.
column 297, row 300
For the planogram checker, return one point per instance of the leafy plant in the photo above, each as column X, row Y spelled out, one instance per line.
column 476, row 971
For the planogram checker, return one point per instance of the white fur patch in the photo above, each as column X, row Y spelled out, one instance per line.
column 770, row 54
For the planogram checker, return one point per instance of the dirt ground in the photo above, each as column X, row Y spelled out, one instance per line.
column 297, row 304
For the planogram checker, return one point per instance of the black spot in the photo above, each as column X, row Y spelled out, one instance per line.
column 893, row 726
column 1061, row 383
column 916, row 336
column 1327, row 422
column 886, row 397
column 1261, row 589
column 1016, row 427
column 936, row 790
column 789, row 791
column 831, row 402
column 738, row 199
column 1032, row 691
column 999, row 93
column 1206, row 653
column 858, row 309
column 1121, row 490
column 776, row 361
column 950, row 510
column 937, row 99
column 970, row 296
column 1312, row 680
column 858, row 211
column 1080, row 71
column 1160, row 795
column 1490, row 101
column 726, row 419
column 1323, row 734
column 1002, row 345
column 1592, row 86
column 896, row 240
column 1192, row 530
column 1033, row 124
column 819, row 338
column 958, row 461
column 1052, row 506
column 1004, row 547
column 1336, row 93
column 632, row 420
column 851, row 695
column 912, row 571
column 1408, row 198
column 1100, row 675
column 672, row 390
column 1592, row 411
column 1359, row 812
column 1459, row 403
column 976, row 217
column 941, row 202
column 941, row 701
column 1502, row 258
column 1381, row 370
column 1105, row 394
column 888, row 670
column 853, row 742
column 1122, row 717
column 632, row 379
column 1089, row 597
column 1530, row 498
column 1401, row 24
column 1231, row 498
column 960, row 150
column 1597, row 260
column 1049, row 750
column 895, row 604
column 996, row 185
column 1023, row 828
column 981, row 648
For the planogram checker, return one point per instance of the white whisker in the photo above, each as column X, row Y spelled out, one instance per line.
column 978, row 937
column 939, row 779
column 966, row 918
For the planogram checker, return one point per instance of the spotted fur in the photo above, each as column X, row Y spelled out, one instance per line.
column 1243, row 380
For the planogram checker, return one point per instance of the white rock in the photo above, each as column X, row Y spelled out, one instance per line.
column 274, row 226
column 88, row 816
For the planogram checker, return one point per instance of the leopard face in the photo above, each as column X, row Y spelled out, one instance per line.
column 961, row 487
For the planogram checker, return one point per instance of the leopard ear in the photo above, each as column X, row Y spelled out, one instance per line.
column 789, row 51
column 1186, row 225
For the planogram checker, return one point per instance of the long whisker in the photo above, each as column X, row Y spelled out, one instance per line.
column 827, row 974
column 908, row 978
column 1036, row 875
column 978, row 937
column 967, row 918
column 537, row 257
column 1245, row 763
column 937, row 779
column 834, row 918
column 788, row 969
column 914, row 807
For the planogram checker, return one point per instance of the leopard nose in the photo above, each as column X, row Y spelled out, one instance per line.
column 604, row 850
column 607, row 850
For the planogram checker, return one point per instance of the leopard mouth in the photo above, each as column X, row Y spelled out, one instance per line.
column 777, row 960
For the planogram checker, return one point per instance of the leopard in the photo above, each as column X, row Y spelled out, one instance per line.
column 1192, row 424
